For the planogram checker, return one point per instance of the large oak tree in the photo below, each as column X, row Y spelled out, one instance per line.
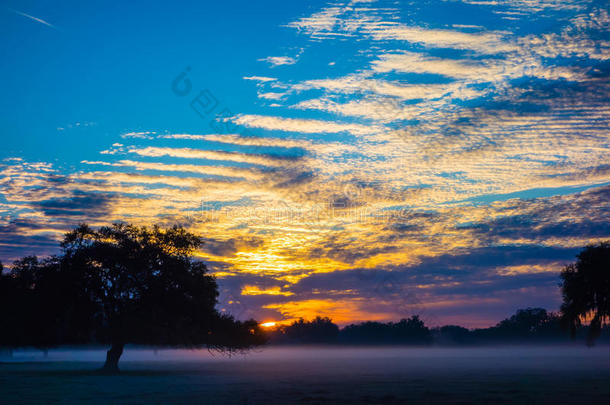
column 117, row 285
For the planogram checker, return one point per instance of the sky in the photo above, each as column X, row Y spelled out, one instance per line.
column 361, row 160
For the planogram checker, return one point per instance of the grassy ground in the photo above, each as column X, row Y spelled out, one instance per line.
column 568, row 375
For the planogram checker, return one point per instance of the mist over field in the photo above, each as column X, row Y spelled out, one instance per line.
column 319, row 375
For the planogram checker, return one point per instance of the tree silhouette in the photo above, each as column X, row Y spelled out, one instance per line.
column 452, row 335
column 407, row 331
column 7, row 321
column 318, row 330
column 122, row 284
column 586, row 290
column 528, row 323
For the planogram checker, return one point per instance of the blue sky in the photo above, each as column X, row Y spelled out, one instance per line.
column 111, row 66
column 353, row 159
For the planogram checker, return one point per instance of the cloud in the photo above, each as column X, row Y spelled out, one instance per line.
column 308, row 126
column 279, row 60
column 230, row 246
column 357, row 84
column 183, row 136
column 271, row 96
column 189, row 153
column 318, row 148
column 487, row 43
column 140, row 135
column 319, row 24
column 210, row 170
column 255, row 290
column 379, row 24
column 263, row 79
column 79, row 204
column 532, row 6
column 31, row 17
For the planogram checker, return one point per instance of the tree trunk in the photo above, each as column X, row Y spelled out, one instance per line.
column 595, row 330
column 112, row 358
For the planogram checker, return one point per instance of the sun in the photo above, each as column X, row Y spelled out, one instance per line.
column 268, row 324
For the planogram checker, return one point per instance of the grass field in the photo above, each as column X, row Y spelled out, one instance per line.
column 308, row 375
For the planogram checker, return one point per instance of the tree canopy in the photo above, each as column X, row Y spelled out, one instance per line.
column 116, row 285
column 586, row 290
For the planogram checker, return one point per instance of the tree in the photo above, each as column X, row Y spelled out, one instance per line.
column 318, row 330
column 452, row 335
column 527, row 324
column 585, row 289
column 407, row 331
column 124, row 284
column 6, row 331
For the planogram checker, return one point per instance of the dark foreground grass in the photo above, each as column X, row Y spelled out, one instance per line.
column 567, row 375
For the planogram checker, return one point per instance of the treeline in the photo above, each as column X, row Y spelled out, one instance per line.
column 526, row 326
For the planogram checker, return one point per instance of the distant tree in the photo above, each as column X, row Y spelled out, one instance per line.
column 367, row 333
column 6, row 323
column 318, row 330
column 124, row 284
column 412, row 330
column 18, row 297
column 36, row 294
column 452, row 335
column 585, row 288
column 525, row 323
column 406, row 331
